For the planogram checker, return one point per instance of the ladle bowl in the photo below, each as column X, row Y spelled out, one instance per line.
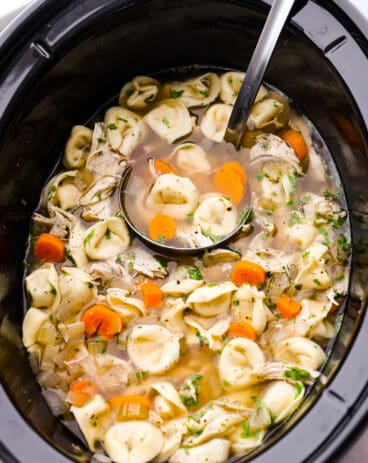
column 166, row 249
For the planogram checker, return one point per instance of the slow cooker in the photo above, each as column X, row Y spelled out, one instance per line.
column 63, row 59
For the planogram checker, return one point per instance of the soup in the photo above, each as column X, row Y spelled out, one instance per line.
column 190, row 359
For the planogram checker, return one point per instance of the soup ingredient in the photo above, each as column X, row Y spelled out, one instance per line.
column 133, row 441
column 216, row 216
column 170, row 120
column 282, row 398
column 296, row 141
column 243, row 330
column 49, row 247
column 191, row 159
column 299, row 351
column 153, row 348
column 162, row 228
column 163, row 167
column 228, row 181
column 215, row 120
column 248, row 272
column 32, row 324
column 288, row 307
column 102, row 321
column 131, row 407
column 81, row 391
column 152, row 295
column 139, row 93
column 77, row 147
column 177, row 195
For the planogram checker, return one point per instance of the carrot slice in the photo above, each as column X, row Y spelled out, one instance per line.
column 235, row 170
column 297, row 142
column 49, row 247
column 103, row 321
column 162, row 227
column 248, row 272
column 152, row 294
column 163, row 167
column 120, row 400
column 241, row 330
column 288, row 307
column 230, row 180
column 81, row 392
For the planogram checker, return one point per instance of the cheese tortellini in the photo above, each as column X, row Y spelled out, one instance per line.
column 282, row 399
column 184, row 280
column 211, row 300
column 191, row 159
column 176, row 195
column 106, row 239
column 125, row 130
column 139, row 93
column 215, row 121
column 153, row 348
column 133, row 442
column 230, row 86
column 32, row 323
column 170, row 120
column 43, row 287
column 248, row 306
column 77, row 147
column 299, row 351
column 216, row 215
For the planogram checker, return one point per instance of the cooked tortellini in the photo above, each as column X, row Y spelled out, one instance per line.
column 299, row 351
column 77, row 290
column 216, row 215
column 248, row 306
column 139, row 93
column 133, row 441
column 170, row 120
column 43, row 287
column 90, row 419
column 183, row 280
column 237, row 361
column 153, row 348
column 191, row 159
column 230, row 86
column 282, row 399
column 212, row 300
column 191, row 356
column 199, row 91
column 106, row 239
column 215, row 121
column 32, row 323
column 125, row 130
column 77, row 147
column 177, row 196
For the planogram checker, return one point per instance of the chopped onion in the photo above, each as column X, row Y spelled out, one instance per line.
column 72, row 331
column 48, row 358
column 48, row 335
column 48, row 379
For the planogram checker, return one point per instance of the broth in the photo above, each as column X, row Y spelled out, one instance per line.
column 202, row 356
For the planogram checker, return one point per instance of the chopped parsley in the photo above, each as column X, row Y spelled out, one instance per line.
column 226, row 383
column 122, row 119
column 295, row 218
column 141, row 375
column 112, row 127
column 201, row 339
column 289, row 204
column 161, row 239
column 161, row 261
column 108, row 234
column 332, row 194
column 298, row 287
column 235, row 303
column 343, row 244
column 296, row 373
column 175, row 93
column 246, row 433
column 316, row 281
column 299, row 389
column 149, row 100
column 53, row 289
column 88, row 238
column 322, row 231
column 101, row 140
column 165, row 121
column 194, row 274
column 204, row 93
column 190, row 217
column 260, row 176
column 306, row 254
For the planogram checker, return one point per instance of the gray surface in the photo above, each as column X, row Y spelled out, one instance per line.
column 358, row 453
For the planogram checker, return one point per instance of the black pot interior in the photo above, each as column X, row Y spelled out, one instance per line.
column 74, row 67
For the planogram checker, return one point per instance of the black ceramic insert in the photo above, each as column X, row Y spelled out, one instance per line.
column 63, row 59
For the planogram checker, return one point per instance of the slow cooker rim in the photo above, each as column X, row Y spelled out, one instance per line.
column 10, row 35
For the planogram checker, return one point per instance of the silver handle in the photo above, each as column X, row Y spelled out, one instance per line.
column 261, row 56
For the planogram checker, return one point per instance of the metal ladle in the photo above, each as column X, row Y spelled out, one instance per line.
column 237, row 124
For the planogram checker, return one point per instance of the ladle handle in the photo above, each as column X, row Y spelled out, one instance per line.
column 248, row 91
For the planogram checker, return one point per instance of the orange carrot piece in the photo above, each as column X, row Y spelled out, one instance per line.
column 297, row 142
column 102, row 321
column 235, row 169
column 152, row 294
column 229, row 185
column 120, row 400
column 49, row 247
column 81, row 392
column 241, row 330
column 163, row 167
column 248, row 272
column 288, row 307
column 162, row 227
